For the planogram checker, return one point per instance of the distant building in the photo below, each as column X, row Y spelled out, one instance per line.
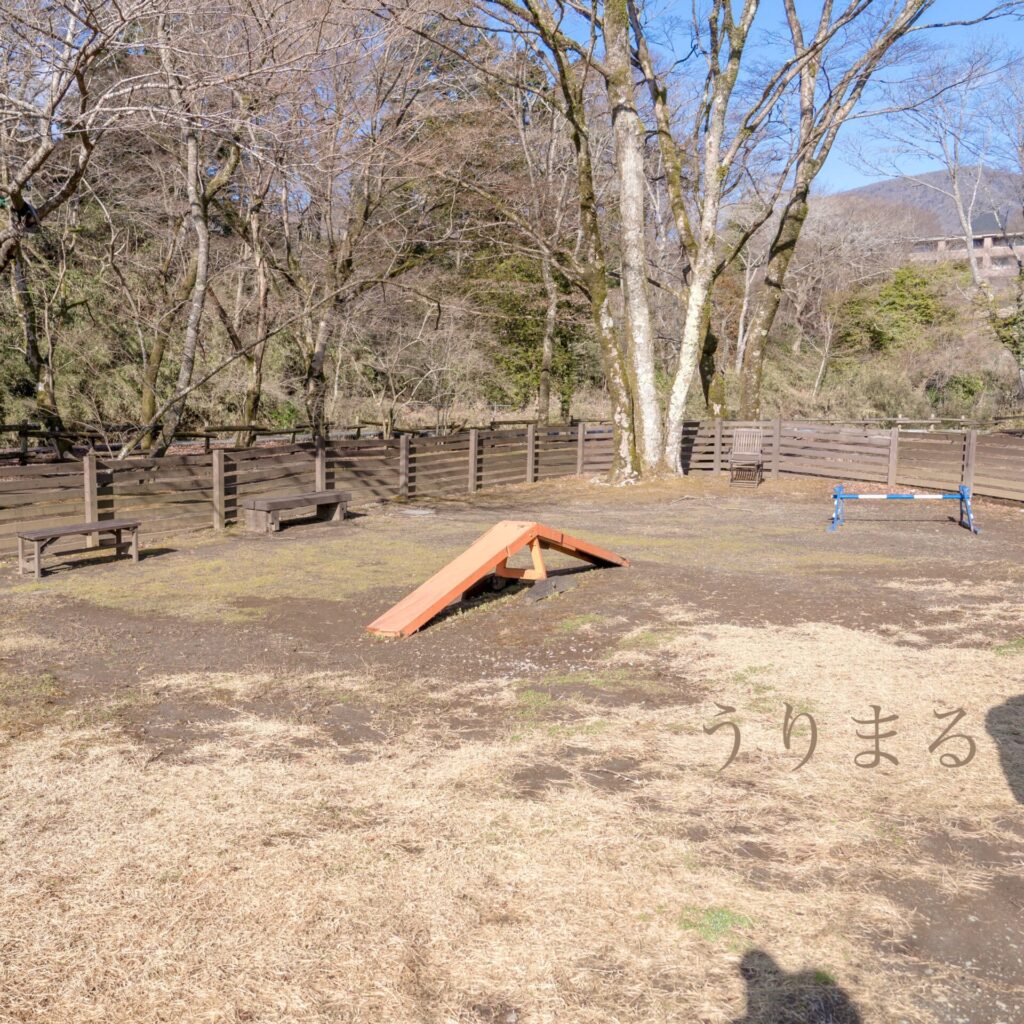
column 992, row 244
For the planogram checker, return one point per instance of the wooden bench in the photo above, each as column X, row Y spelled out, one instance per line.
column 42, row 538
column 264, row 514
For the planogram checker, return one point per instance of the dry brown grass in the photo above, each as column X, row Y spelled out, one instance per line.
column 580, row 859
column 18, row 641
column 265, row 879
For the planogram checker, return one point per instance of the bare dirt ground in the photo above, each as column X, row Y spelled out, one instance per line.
column 221, row 800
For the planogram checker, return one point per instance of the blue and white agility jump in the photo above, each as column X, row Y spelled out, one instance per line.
column 962, row 494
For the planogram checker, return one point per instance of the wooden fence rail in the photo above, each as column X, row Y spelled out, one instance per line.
column 201, row 491
column 991, row 463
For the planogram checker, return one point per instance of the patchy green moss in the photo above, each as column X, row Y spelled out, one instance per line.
column 614, row 679
column 533, row 705
column 578, row 622
column 713, row 923
column 1010, row 648
column 647, row 639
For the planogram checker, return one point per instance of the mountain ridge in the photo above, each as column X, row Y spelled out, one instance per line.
column 925, row 197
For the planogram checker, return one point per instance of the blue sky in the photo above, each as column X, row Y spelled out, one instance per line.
column 842, row 170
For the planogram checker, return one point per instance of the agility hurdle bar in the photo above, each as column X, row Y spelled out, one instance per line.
column 961, row 494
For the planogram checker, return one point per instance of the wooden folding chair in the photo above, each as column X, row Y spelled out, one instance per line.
column 746, row 460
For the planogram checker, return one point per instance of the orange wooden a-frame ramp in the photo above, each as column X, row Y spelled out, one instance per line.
column 489, row 553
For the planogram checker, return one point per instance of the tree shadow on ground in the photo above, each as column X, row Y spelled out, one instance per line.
column 1005, row 724
column 774, row 996
column 56, row 563
column 497, row 588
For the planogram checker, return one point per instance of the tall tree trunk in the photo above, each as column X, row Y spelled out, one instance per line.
column 628, row 131
column 780, row 255
column 254, row 388
column 819, row 127
column 595, row 274
column 698, row 301
column 40, row 363
column 150, row 376
column 315, row 386
column 823, row 366
column 158, row 346
column 701, row 250
column 624, row 457
column 200, row 225
column 547, row 350
column 741, row 324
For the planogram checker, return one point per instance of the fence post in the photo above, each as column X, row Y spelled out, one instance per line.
column 581, row 441
column 718, row 446
column 404, row 444
column 474, row 458
column 970, row 452
column 531, row 453
column 894, row 450
column 92, row 499
column 218, row 489
column 321, row 465
column 776, row 447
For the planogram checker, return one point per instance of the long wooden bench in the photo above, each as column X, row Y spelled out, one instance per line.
column 42, row 538
column 264, row 514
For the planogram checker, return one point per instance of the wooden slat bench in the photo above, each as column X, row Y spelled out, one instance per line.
column 264, row 514
column 42, row 538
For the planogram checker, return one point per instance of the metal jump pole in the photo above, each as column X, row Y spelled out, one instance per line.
column 962, row 494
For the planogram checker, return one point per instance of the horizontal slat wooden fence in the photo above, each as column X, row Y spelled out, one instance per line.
column 48, row 494
column 992, row 464
column 998, row 469
column 180, row 493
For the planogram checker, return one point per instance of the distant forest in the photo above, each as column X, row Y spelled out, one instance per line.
column 433, row 213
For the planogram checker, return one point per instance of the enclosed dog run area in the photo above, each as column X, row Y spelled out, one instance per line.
column 762, row 773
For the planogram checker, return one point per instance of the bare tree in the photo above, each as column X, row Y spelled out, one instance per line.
column 940, row 125
column 729, row 122
column 569, row 65
column 1003, row 115
column 68, row 74
column 948, row 121
column 831, row 90
column 844, row 246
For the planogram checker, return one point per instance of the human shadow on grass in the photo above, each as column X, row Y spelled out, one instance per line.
column 774, row 996
column 1005, row 724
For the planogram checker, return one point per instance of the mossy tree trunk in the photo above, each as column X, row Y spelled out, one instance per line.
column 628, row 132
